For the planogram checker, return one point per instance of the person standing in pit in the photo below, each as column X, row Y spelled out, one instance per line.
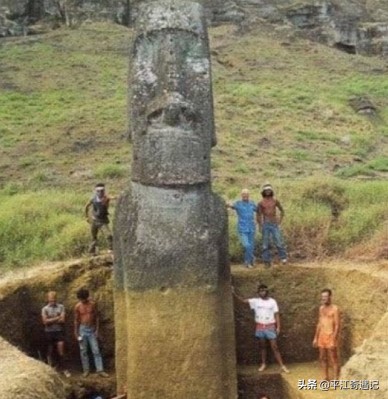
column 53, row 319
column 86, row 329
column 326, row 335
column 267, row 324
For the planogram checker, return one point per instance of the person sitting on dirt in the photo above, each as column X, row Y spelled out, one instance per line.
column 100, row 217
column 86, row 325
column 53, row 319
column 267, row 324
column 246, row 226
column 326, row 335
column 269, row 224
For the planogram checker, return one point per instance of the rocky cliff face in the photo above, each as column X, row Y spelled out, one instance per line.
column 354, row 26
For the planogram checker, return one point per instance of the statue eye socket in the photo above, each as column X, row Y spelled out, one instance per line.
column 155, row 115
column 189, row 114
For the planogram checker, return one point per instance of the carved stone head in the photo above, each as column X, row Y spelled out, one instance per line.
column 172, row 127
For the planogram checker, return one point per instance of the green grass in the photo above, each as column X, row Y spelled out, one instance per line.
column 282, row 114
column 48, row 225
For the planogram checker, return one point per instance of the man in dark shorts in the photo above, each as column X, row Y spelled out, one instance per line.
column 100, row 217
column 53, row 318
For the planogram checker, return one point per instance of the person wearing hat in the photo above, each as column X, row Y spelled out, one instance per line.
column 246, row 226
column 100, row 217
column 267, row 321
column 269, row 223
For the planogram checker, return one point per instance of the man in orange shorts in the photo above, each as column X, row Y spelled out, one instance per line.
column 326, row 335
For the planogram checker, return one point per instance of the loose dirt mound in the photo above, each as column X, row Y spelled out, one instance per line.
column 25, row 378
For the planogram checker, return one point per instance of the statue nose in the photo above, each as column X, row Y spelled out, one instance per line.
column 172, row 114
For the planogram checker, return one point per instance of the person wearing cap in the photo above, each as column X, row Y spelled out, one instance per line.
column 99, row 219
column 269, row 222
column 267, row 320
column 246, row 225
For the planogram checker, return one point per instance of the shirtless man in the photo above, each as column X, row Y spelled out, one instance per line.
column 269, row 223
column 86, row 324
column 326, row 335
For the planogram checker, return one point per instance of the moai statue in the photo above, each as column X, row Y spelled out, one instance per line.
column 173, row 302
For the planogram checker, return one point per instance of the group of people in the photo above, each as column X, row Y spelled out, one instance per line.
column 268, row 214
column 265, row 214
column 86, row 330
column 267, row 320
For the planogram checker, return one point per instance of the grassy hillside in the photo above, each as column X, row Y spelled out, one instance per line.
column 282, row 114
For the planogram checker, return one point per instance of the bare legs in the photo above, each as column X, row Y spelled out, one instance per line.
column 327, row 356
column 276, row 352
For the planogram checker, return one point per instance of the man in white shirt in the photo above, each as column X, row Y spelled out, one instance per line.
column 267, row 324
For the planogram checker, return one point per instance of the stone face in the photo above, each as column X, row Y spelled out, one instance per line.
column 173, row 304
column 172, row 103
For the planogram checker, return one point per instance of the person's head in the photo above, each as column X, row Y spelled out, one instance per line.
column 326, row 296
column 51, row 297
column 245, row 194
column 83, row 294
column 262, row 290
column 267, row 190
column 100, row 189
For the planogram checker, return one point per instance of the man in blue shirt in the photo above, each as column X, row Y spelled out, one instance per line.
column 246, row 226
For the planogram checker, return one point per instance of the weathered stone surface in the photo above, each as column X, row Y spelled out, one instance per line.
column 172, row 104
column 173, row 305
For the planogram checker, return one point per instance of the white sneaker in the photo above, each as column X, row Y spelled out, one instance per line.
column 262, row 367
column 284, row 261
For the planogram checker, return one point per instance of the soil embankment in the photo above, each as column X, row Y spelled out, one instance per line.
column 25, row 378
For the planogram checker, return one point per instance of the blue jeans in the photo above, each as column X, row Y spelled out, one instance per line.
column 248, row 242
column 272, row 229
column 89, row 337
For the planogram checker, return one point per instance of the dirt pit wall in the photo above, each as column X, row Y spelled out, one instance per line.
column 361, row 297
column 23, row 295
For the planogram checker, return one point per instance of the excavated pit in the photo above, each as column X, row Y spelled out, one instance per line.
column 360, row 294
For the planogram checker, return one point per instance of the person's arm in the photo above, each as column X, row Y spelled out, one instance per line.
column 315, row 340
column 97, row 319
column 230, row 205
column 277, row 320
column 238, row 297
column 49, row 320
column 87, row 206
column 336, row 322
column 62, row 315
column 259, row 216
column 279, row 206
column 76, row 321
